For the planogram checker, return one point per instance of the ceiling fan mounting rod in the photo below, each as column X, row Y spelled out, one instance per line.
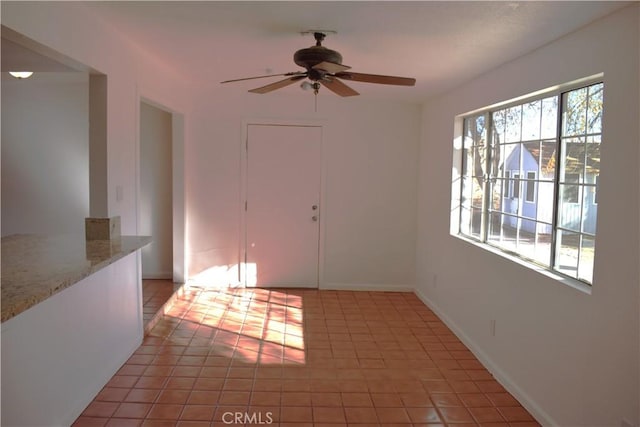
column 319, row 37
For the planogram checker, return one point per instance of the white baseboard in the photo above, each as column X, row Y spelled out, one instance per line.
column 366, row 287
column 167, row 275
column 529, row 404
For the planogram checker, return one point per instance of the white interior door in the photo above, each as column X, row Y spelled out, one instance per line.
column 283, row 205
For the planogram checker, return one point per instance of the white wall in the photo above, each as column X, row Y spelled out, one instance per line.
column 570, row 357
column 370, row 161
column 45, row 153
column 72, row 30
column 156, row 191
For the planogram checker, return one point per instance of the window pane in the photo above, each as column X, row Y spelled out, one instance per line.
column 587, row 252
column 545, row 203
column 467, row 191
column 531, row 120
column 513, row 120
column 575, row 112
column 465, row 220
column 516, row 186
column 548, row 160
column 594, row 111
column 549, row 128
column 570, row 210
column 497, row 195
column 592, row 160
column 573, row 158
column 476, row 196
column 502, row 231
column 530, row 195
column 542, row 254
column 467, row 161
column 567, row 252
column 476, row 220
column 506, row 184
column 499, row 123
column 589, row 210
column 479, row 160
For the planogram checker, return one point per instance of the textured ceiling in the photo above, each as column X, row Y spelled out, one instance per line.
column 441, row 44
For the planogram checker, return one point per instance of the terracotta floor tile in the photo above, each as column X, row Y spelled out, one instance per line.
column 502, row 399
column 111, row 394
column 326, row 399
column 445, row 399
column 356, row 400
column 455, row 414
column 295, row 414
column 198, row 397
column 296, row 399
column 100, row 409
column 307, row 357
column 197, row 412
column 164, row 411
column 423, row 415
column 515, row 413
column 361, row 415
column 142, row 395
column 83, row 421
column 173, row 396
column 132, row 410
column 485, row 415
column 392, row 415
column 328, row 415
column 123, row 422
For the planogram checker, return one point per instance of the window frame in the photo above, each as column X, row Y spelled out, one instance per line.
column 508, row 182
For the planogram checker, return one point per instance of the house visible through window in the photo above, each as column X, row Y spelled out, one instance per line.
column 529, row 178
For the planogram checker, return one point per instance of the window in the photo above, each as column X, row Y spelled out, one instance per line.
column 529, row 177
column 531, row 187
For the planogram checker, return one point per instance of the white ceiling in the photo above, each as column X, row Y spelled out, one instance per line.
column 441, row 44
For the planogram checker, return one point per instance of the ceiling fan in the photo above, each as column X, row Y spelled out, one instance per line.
column 324, row 67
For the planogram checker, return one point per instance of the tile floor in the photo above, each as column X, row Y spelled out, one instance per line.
column 155, row 294
column 302, row 358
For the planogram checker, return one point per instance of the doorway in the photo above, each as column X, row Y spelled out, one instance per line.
column 156, row 200
column 283, row 205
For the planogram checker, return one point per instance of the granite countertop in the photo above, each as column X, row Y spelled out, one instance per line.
column 35, row 267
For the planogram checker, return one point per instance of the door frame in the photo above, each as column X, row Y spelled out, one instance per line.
column 244, row 167
column 180, row 273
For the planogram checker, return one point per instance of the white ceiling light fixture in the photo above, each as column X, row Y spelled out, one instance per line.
column 21, row 74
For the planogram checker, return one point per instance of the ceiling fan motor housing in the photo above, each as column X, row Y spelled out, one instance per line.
column 314, row 55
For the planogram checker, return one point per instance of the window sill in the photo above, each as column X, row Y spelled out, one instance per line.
column 568, row 281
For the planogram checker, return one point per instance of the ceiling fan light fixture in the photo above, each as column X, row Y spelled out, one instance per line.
column 323, row 67
column 21, row 74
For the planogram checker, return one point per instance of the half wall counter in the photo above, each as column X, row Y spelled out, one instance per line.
column 71, row 316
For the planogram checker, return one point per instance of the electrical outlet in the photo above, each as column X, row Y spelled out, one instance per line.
column 434, row 282
column 493, row 327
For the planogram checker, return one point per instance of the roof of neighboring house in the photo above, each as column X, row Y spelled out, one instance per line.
column 575, row 156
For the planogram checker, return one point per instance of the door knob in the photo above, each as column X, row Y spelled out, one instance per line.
column 314, row 218
column 314, row 207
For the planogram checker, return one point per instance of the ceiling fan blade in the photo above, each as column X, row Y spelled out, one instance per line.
column 295, row 73
column 330, row 67
column 277, row 85
column 376, row 78
column 337, row 87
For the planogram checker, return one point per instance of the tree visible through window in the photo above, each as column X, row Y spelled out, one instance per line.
column 529, row 177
